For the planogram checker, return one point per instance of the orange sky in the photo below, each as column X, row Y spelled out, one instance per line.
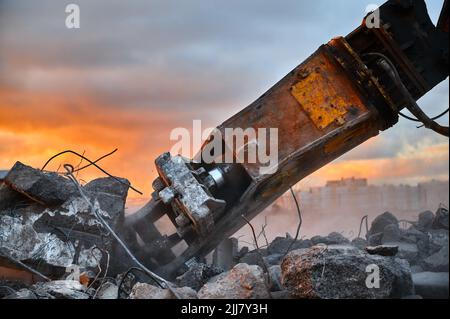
column 53, row 126
column 134, row 72
column 57, row 123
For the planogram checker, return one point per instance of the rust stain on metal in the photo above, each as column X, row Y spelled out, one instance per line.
column 325, row 93
column 339, row 142
column 10, row 273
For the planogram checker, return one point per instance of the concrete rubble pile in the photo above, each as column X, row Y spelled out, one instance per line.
column 46, row 226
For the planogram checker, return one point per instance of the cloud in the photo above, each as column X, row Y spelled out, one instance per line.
column 137, row 69
column 425, row 162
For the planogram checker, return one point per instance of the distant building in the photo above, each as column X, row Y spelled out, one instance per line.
column 341, row 204
column 356, row 195
column 348, row 182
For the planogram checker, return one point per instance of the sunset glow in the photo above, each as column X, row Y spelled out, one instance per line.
column 116, row 84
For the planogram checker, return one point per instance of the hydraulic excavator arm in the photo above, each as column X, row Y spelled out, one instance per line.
column 345, row 93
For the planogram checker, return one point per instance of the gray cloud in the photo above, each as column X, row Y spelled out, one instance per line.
column 206, row 59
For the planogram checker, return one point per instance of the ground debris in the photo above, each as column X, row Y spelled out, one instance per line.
column 242, row 282
column 330, row 273
column 48, row 227
column 22, row 294
column 45, row 188
column 197, row 276
column 383, row 250
column 332, row 239
column 147, row 291
column 431, row 285
column 440, row 220
column 61, row 289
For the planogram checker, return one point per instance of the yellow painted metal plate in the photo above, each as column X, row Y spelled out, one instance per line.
column 325, row 93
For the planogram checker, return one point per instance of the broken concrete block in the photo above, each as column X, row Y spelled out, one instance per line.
column 438, row 262
column 61, row 289
column 360, row 243
column 111, row 196
column 273, row 260
column 241, row 253
column 421, row 239
column 375, row 239
column 254, row 257
column 414, row 235
column 19, row 238
column 383, row 250
column 22, row 294
column 380, row 222
column 275, row 278
column 107, row 291
column 327, row 273
column 431, row 285
column 76, row 213
column 197, row 276
column 22, row 239
column 438, row 239
column 146, row 291
column 336, row 238
column 225, row 253
column 441, row 219
column 335, row 249
column 45, row 188
column 332, row 239
column 109, row 186
column 425, row 220
column 280, row 245
column 242, row 282
column 11, row 200
column 410, row 252
column 391, row 234
column 58, row 237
